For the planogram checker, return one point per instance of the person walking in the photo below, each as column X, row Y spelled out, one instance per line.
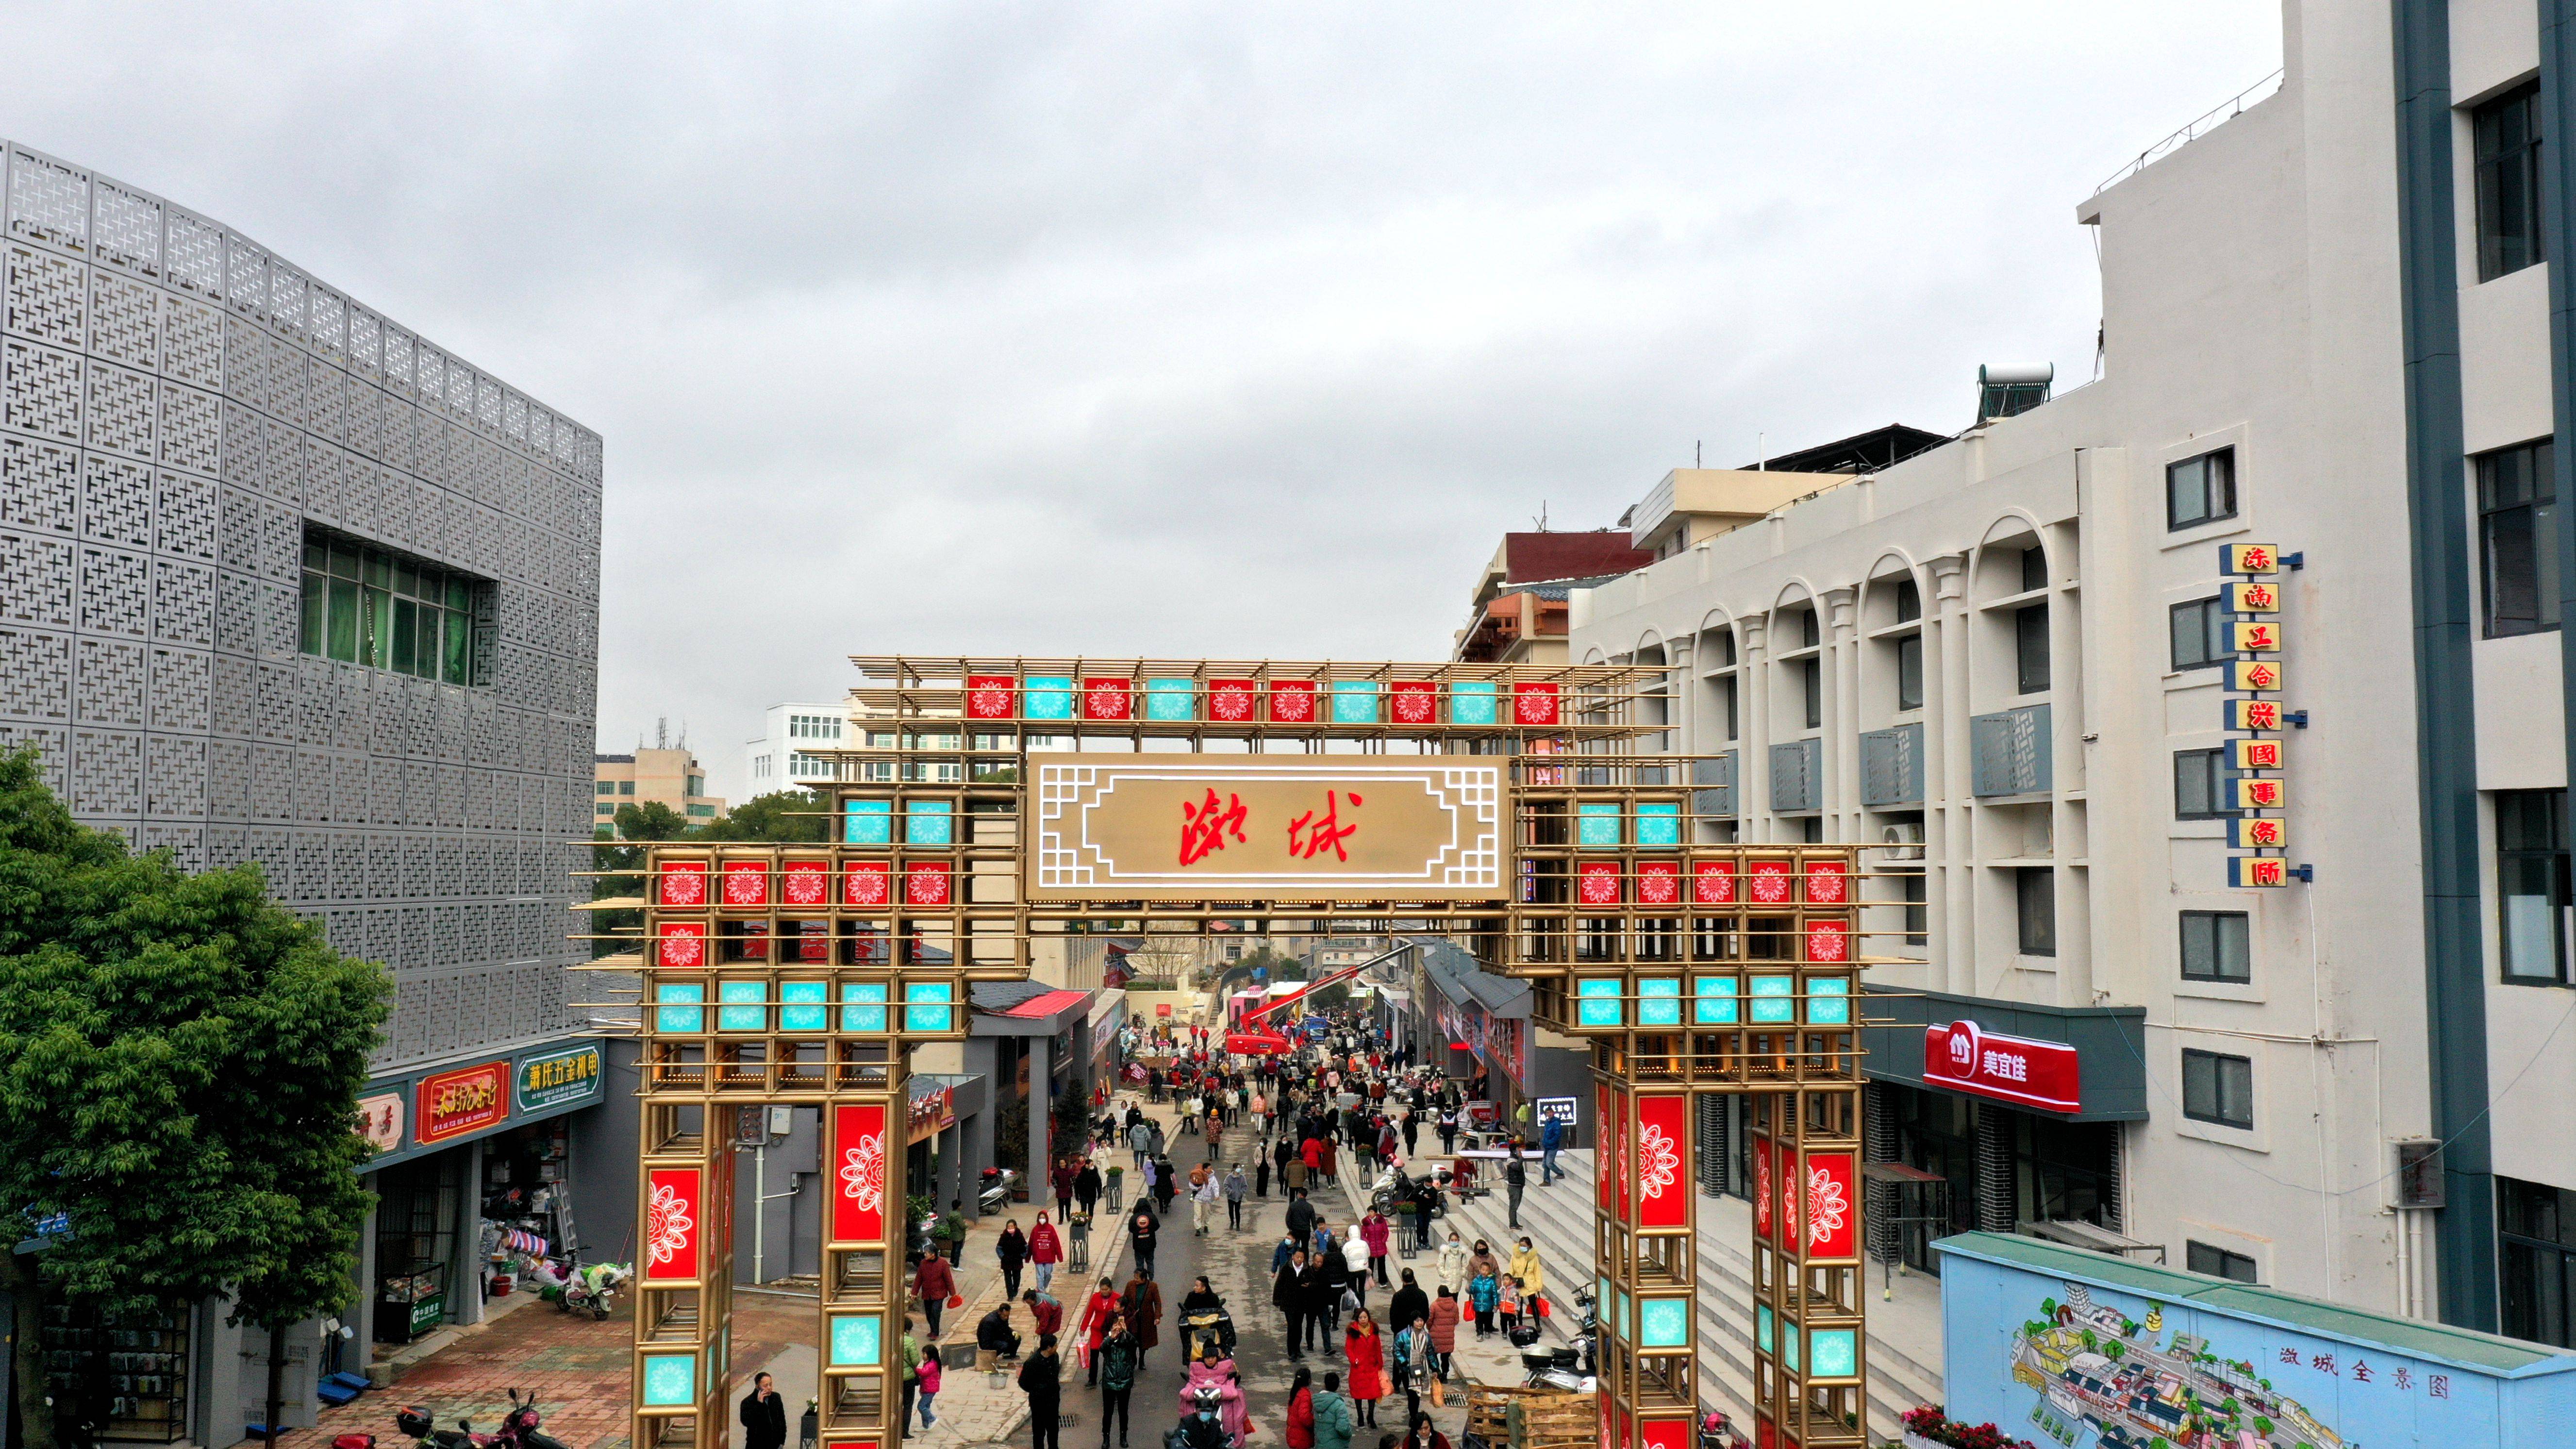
column 1141, row 1140
column 1355, row 1262
column 1117, row 1360
column 1288, row 1295
column 1443, row 1323
column 1365, row 1351
column 1235, row 1188
column 1301, row 1410
column 1143, row 1305
column 1410, row 1369
column 1453, row 1263
column 1042, row 1379
column 1323, row 1298
column 1260, row 1175
column 1485, row 1294
column 933, row 1281
column 1046, row 1250
column 1099, row 1318
column 764, row 1415
column 1011, row 1250
column 1515, row 1178
column 1526, row 1267
column 1373, row 1230
column 1333, row 1421
column 1551, row 1136
column 1062, row 1179
column 1142, row 1230
column 1409, row 1302
column 927, row 1371
column 1448, row 1131
column 1167, row 1185
column 1086, row 1185
column 1204, row 1193
column 1301, row 1216
column 1046, row 1311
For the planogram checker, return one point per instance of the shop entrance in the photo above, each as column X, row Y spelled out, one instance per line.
column 1518, row 812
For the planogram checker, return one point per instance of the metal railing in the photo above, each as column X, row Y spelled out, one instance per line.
column 2225, row 111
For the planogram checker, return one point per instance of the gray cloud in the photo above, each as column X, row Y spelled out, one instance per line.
column 1145, row 328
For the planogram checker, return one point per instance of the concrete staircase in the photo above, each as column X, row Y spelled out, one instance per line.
column 1559, row 1220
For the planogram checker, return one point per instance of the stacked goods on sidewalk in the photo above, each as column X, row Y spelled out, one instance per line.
column 1510, row 1417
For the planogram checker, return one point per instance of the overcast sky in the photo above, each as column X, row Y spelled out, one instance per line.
column 1229, row 329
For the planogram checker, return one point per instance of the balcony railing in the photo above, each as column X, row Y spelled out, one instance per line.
column 2009, row 751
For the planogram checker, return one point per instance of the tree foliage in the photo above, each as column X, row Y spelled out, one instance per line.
column 782, row 817
column 180, row 1062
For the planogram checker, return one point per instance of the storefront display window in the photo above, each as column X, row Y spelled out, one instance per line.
column 129, row 1374
column 416, row 1214
column 1937, row 1132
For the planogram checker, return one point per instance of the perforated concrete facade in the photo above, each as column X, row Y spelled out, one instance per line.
column 177, row 404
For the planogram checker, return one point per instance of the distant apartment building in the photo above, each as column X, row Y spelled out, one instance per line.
column 791, row 750
column 671, row 778
column 2328, row 326
column 1516, row 613
column 282, row 581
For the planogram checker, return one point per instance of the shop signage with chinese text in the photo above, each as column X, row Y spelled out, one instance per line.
column 2042, row 1074
column 380, row 1121
column 469, row 1099
column 556, row 1079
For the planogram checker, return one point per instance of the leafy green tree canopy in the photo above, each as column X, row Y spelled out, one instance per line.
column 782, row 817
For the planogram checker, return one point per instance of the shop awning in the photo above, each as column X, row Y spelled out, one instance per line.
column 1047, row 1005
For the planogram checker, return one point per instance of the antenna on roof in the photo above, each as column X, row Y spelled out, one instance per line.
column 1761, row 452
column 1541, row 520
column 1695, row 452
column 662, row 732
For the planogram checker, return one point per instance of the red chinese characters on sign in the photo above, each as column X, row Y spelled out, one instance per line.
column 925, row 883
column 1662, row 1162
column 2258, row 674
column 1827, row 883
column 1713, row 883
column 2260, row 794
column 2258, row 714
column 1204, row 826
column 1231, row 700
column 858, row 1178
column 465, row 1100
column 867, row 884
column 1413, row 701
column 2040, row 1074
column 683, row 883
column 1110, row 699
column 673, row 1212
column 992, row 696
column 1659, row 883
column 1534, row 704
column 2258, row 754
column 1325, row 834
column 1292, row 701
column 746, row 884
column 380, row 1121
column 683, row 944
column 2264, row 834
column 805, row 883
column 1596, row 882
column 1828, row 941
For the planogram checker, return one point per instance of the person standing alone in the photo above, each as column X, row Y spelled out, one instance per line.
column 764, row 1416
column 1042, row 1379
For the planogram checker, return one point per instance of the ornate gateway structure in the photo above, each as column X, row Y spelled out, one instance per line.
column 1525, row 813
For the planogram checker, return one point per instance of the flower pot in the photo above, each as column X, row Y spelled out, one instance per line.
column 1917, row 1441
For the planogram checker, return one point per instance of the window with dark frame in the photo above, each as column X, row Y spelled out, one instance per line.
column 1726, row 703
column 1909, row 672
column 1918, row 910
column 2217, row 1262
column 2518, row 538
column 2217, row 1088
column 2200, row 785
column 2532, row 894
column 2034, row 569
column 1807, row 627
column 2200, row 490
column 363, row 605
column 2536, row 1231
column 2508, row 181
column 2216, row 946
column 1909, row 601
column 2030, row 647
column 2200, row 636
column 1811, row 682
column 2035, row 901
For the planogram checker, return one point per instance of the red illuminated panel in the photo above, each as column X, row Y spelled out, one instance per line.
column 992, row 696
column 1601, row 1114
column 1713, row 883
column 1107, row 698
column 1659, row 883
column 1828, row 941
column 1762, row 1193
column 1832, row 1199
column 683, row 883
column 674, row 1212
column 1622, row 1152
column 683, row 944
column 859, row 1173
column 746, row 884
column 1292, row 701
column 1770, row 884
column 1232, row 700
column 805, row 883
column 1413, row 701
column 1663, row 1434
column 867, row 885
column 1534, row 704
column 1828, row 884
column 1596, row 882
column 1662, row 1163
column 925, row 883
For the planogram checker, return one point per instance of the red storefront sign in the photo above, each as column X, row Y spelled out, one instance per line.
column 2040, row 1074
column 468, row 1099
column 859, row 1173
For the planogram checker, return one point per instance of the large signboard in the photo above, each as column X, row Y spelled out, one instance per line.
column 2043, row 1074
column 557, row 1079
column 1193, row 828
column 2051, row 1343
column 464, row 1101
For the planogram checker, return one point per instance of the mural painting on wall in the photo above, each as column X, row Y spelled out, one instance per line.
column 2089, row 1363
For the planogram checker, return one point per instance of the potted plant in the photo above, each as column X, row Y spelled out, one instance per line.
column 1927, row 1427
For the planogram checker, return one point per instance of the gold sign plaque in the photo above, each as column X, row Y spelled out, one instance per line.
column 1189, row 828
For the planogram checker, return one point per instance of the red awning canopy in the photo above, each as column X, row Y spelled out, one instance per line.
column 1046, row 1005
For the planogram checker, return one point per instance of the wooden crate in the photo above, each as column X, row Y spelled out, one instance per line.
column 1538, row 1420
column 1488, row 1408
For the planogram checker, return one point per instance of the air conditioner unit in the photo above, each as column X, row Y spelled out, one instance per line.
column 1904, row 841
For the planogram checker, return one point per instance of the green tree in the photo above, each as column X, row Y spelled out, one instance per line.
column 782, row 817
column 651, row 820
column 180, row 1062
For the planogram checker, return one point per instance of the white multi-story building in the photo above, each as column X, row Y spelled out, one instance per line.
column 785, row 756
column 2328, row 326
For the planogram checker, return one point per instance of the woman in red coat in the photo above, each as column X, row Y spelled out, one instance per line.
column 1094, row 1326
column 1367, row 1354
column 1045, row 1249
column 1301, row 1410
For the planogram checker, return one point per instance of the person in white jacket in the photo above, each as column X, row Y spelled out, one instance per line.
column 1203, row 1204
column 1355, row 1256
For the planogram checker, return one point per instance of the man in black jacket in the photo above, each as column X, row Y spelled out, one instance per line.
column 993, row 1334
column 1301, row 1217
column 1041, row 1378
column 764, row 1416
column 1409, row 1302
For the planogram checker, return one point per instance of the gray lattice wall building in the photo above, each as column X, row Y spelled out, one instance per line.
column 178, row 405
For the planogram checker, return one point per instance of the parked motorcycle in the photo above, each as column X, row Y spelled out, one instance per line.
column 592, row 1289
column 993, row 1192
column 416, row 1422
column 520, row 1430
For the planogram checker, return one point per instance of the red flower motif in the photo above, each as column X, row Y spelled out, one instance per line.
column 1230, row 700
column 1658, row 883
column 684, row 883
column 925, row 885
column 746, row 883
column 683, row 946
column 1825, row 882
column 1413, row 703
column 864, row 884
column 1826, row 941
column 1771, row 882
column 1713, row 883
column 804, row 884
column 1534, row 704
